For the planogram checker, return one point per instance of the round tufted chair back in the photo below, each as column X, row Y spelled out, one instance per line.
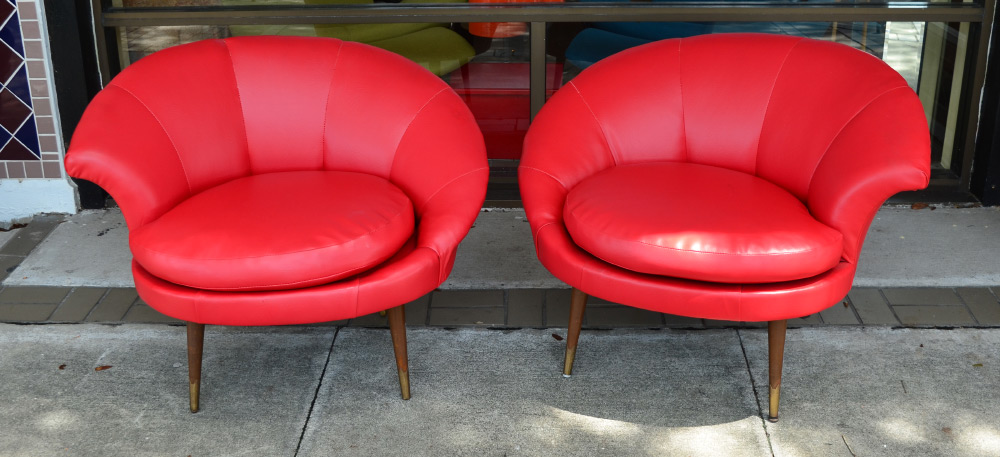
column 270, row 104
column 797, row 112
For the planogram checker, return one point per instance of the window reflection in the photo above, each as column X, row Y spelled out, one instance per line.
column 486, row 63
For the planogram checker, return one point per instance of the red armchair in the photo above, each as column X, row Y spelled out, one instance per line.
column 728, row 176
column 284, row 180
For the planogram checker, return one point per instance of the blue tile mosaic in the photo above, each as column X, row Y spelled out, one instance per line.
column 14, row 150
column 28, row 135
column 11, row 34
column 9, row 62
column 5, row 9
column 4, row 136
column 13, row 111
column 18, row 132
column 18, row 84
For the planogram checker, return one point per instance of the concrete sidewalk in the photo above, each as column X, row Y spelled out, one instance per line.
column 303, row 391
column 938, row 246
column 908, row 365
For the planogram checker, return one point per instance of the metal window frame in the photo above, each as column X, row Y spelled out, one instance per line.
column 978, row 15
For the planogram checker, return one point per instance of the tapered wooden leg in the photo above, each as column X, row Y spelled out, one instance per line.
column 196, row 340
column 397, row 328
column 576, row 307
column 775, row 353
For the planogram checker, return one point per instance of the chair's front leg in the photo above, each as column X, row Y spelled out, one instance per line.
column 577, row 305
column 195, row 343
column 397, row 328
column 775, row 353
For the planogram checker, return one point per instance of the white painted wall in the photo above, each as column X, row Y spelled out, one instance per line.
column 22, row 198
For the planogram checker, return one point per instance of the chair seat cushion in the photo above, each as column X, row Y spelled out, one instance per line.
column 698, row 222
column 277, row 231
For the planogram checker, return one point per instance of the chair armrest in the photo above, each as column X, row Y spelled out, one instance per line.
column 565, row 145
column 440, row 162
column 884, row 150
column 543, row 197
column 449, row 215
column 120, row 146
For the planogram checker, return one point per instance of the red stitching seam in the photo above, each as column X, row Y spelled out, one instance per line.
column 546, row 174
column 463, row 175
column 842, row 128
column 172, row 144
column 604, row 133
column 763, row 120
column 395, row 153
column 326, row 110
column 239, row 98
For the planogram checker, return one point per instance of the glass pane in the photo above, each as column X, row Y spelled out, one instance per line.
column 489, row 70
column 589, row 42
column 904, row 42
column 942, row 73
column 135, row 43
column 931, row 57
column 487, row 63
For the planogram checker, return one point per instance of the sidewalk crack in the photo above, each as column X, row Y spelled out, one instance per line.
column 319, row 385
column 756, row 397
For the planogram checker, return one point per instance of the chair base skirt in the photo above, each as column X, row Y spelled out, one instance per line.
column 680, row 297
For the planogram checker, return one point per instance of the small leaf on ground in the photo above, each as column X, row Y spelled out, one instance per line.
column 62, row 367
column 102, row 368
column 919, row 205
column 557, row 337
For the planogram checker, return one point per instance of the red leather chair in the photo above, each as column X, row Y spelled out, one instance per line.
column 728, row 176
column 284, row 180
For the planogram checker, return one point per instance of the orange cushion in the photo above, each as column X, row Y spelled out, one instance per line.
column 698, row 222
column 277, row 231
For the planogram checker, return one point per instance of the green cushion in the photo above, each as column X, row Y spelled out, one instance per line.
column 431, row 45
column 437, row 49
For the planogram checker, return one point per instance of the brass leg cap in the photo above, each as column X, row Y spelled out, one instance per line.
column 404, row 384
column 775, row 396
column 568, row 362
column 194, row 397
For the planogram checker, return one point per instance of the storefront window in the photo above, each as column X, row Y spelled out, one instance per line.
column 489, row 64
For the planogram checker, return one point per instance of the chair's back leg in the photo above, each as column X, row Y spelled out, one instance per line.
column 775, row 353
column 577, row 304
column 397, row 328
column 196, row 340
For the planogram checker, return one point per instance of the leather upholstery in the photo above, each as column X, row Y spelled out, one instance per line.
column 324, row 125
column 834, row 128
column 277, row 231
column 698, row 222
